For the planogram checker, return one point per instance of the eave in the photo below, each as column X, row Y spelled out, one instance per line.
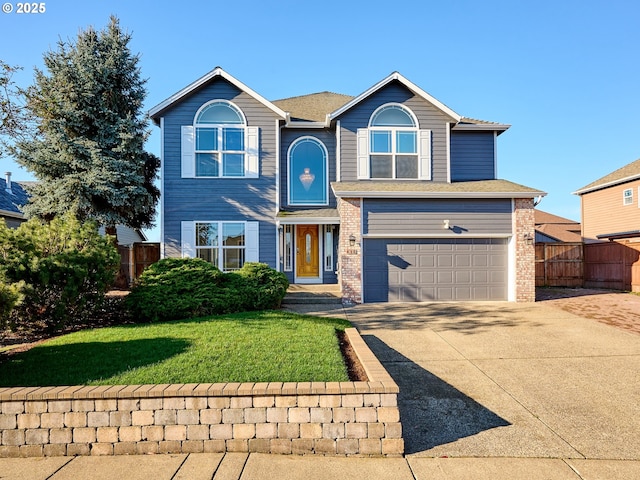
column 383, row 83
column 156, row 112
column 612, row 183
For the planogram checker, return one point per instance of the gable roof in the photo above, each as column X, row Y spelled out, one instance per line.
column 559, row 228
column 628, row 173
column 10, row 203
column 408, row 189
column 396, row 76
column 156, row 112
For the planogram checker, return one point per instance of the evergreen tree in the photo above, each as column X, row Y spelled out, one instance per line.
column 88, row 154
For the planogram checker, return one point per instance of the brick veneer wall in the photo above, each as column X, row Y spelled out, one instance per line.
column 339, row 418
column 350, row 258
column 525, row 250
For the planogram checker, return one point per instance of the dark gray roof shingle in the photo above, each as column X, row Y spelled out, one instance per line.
column 11, row 202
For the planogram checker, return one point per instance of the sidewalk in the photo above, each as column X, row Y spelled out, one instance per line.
column 240, row 466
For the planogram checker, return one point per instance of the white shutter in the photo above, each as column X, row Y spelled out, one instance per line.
column 252, row 240
column 252, row 157
column 187, row 152
column 188, row 239
column 424, row 167
column 363, row 153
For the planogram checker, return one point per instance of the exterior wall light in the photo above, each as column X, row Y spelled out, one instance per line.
column 352, row 241
column 446, row 225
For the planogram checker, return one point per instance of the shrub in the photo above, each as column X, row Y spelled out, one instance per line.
column 267, row 287
column 57, row 272
column 175, row 288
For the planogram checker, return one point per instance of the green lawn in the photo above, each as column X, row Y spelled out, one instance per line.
column 246, row 347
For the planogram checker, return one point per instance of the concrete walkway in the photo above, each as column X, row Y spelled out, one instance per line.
column 487, row 391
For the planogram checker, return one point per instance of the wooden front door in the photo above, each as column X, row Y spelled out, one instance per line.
column 307, row 251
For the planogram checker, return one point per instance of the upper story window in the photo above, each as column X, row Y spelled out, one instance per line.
column 308, row 172
column 627, row 196
column 393, row 147
column 220, row 132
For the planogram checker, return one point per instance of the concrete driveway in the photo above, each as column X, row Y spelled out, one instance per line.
column 508, row 380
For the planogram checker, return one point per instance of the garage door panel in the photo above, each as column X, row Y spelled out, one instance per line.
column 406, row 270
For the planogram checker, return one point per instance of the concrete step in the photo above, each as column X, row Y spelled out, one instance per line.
column 319, row 294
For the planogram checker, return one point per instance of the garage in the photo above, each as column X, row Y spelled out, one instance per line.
column 434, row 269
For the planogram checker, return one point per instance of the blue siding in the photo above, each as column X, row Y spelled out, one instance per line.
column 188, row 199
column 472, row 156
column 429, row 117
column 476, row 217
column 288, row 136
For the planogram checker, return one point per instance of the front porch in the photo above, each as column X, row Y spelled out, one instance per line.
column 313, row 294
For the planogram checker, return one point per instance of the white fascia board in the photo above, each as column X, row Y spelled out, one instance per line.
column 410, row 85
column 435, row 235
column 216, row 72
column 309, row 221
column 608, row 184
column 500, row 127
column 299, row 124
column 400, row 195
column 8, row 213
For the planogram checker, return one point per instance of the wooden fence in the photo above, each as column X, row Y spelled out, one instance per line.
column 134, row 259
column 559, row 264
column 612, row 265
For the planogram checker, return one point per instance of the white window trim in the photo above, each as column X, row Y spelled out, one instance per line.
column 288, row 249
column 251, row 240
column 629, row 197
column 326, row 171
column 251, row 146
column 423, row 146
column 328, row 249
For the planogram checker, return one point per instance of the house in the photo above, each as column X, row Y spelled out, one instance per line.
column 13, row 196
column 391, row 194
column 611, row 205
column 551, row 228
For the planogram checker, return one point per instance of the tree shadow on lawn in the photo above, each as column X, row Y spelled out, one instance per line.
column 432, row 411
column 82, row 363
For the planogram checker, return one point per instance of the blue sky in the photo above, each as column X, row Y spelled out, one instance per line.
column 563, row 73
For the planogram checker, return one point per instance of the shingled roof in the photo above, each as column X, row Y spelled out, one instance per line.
column 313, row 107
column 559, row 228
column 408, row 189
column 10, row 202
column 627, row 173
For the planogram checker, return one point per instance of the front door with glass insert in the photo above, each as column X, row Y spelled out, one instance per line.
column 307, row 251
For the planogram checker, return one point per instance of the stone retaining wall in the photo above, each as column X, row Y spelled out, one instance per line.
column 339, row 418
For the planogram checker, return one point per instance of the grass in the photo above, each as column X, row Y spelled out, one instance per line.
column 247, row 347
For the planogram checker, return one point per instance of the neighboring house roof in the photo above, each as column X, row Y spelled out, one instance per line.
column 408, row 189
column 156, row 112
column 625, row 174
column 557, row 228
column 10, row 202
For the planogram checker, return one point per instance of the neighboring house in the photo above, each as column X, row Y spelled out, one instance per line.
column 552, row 228
column 391, row 194
column 13, row 196
column 611, row 205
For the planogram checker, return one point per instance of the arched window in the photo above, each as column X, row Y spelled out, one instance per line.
column 308, row 172
column 220, row 140
column 393, row 143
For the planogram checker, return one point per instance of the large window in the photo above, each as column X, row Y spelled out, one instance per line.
column 221, row 243
column 393, row 143
column 220, row 141
column 308, row 172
